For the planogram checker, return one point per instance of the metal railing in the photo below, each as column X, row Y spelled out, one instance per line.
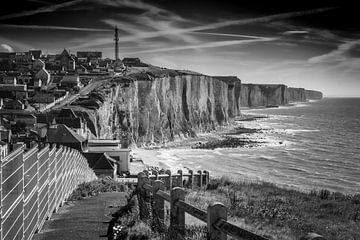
column 34, row 184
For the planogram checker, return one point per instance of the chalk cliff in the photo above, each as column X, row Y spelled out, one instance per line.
column 313, row 95
column 296, row 94
column 160, row 106
column 256, row 95
column 234, row 90
column 156, row 105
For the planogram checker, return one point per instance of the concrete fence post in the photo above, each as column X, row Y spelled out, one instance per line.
column 168, row 180
column 180, row 179
column 215, row 212
column 200, row 178
column 177, row 215
column 191, row 179
column 158, row 205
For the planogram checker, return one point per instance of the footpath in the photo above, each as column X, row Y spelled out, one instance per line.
column 84, row 219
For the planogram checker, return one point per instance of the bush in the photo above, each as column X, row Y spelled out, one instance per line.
column 93, row 188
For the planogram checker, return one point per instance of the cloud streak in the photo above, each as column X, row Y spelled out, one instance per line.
column 203, row 45
column 43, row 27
column 176, row 31
column 45, row 9
column 336, row 55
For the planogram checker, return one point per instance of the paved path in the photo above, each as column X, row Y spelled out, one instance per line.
column 82, row 219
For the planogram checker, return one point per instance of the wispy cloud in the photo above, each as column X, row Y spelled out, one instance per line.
column 228, row 35
column 7, row 47
column 295, row 32
column 55, row 28
column 178, row 31
column 203, row 45
column 46, row 9
column 339, row 54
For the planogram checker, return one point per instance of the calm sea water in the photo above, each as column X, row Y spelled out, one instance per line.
column 312, row 145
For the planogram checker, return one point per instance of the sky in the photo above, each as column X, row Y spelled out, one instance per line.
column 315, row 45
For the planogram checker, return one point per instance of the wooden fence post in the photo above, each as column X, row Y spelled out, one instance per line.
column 156, row 173
column 215, row 212
column 177, row 215
column 180, row 179
column 168, row 180
column 143, row 197
column 200, row 178
column 206, row 177
column 158, row 205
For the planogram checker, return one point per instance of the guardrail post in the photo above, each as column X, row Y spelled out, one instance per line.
column 168, row 180
column 215, row 212
column 180, row 179
column 200, row 182
column 158, row 206
column 312, row 236
column 177, row 215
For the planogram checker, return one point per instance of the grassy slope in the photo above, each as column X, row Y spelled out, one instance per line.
column 280, row 213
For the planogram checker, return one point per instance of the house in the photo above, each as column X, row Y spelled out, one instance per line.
column 67, row 62
column 13, row 91
column 70, row 119
column 10, row 80
column 133, row 62
column 60, row 134
column 29, row 119
column 4, row 149
column 14, row 105
column 113, row 149
column 36, row 53
column 102, row 164
column 41, row 97
column 70, row 81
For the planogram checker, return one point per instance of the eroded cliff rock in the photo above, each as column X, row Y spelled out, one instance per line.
column 296, row 94
column 234, row 90
column 263, row 95
column 313, row 95
column 156, row 105
column 160, row 106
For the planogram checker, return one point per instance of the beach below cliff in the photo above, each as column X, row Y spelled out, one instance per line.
column 233, row 135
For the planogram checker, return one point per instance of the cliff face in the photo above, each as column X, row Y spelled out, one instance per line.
column 296, row 94
column 234, row 89
column 257, row 95
column 158, row 108
column 157, row 105
column 312, row 94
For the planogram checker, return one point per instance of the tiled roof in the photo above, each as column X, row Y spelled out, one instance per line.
column 63, row 134
column 99, row 160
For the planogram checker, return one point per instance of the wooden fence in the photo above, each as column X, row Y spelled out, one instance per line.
column 155, row 186
column 34, row 184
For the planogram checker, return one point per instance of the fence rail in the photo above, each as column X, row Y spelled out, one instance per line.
column 33, row 184
column 218, row 228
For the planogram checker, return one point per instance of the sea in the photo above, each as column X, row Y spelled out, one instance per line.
column 308, row 146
